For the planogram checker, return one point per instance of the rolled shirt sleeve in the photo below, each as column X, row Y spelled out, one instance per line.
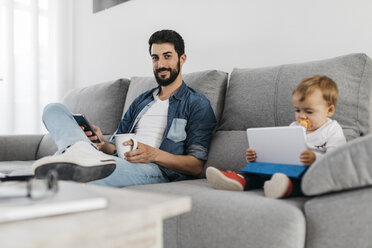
column 201, row 125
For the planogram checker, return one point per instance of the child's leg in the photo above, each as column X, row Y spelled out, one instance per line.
column 229, row 180
column 254, row 181
column 296, row 187
column 280, row 186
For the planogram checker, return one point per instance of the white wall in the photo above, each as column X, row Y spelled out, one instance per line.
column 219, row 34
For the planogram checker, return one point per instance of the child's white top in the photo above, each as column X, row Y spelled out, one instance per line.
column 325, row 138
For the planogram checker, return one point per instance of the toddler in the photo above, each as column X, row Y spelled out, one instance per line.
column 314, row 100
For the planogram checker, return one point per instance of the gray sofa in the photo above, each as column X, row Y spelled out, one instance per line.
column 335, row 212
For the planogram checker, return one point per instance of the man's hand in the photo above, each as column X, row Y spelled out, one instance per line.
column 186, row 164
column 307, row 157
column 143, row 153
column 93, row 138
column 251, row 155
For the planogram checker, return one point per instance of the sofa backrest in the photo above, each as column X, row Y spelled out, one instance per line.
column 102, row 104
column 255, row 98
column 262, row 97
column 212, row 83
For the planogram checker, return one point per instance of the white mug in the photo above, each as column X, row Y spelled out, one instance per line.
column 120, row 147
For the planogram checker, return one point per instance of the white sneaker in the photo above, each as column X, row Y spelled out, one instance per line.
column 80, row 162
column 279, row 186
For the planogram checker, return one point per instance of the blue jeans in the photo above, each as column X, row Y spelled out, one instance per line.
column 66, row 132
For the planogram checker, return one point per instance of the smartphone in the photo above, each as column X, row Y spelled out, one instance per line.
column 82, row 121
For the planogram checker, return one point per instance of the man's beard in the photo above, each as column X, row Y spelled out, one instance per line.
column 173, row 75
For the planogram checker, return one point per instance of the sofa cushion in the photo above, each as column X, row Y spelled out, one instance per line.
column 339, row 220
column 19, row 147
column 262, row 97
column 102, row 104
column 221, row 218
column 47, row 147
column 346, row 167
column 211, row 83
column 227, row 151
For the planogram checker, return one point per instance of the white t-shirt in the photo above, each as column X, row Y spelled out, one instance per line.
column 150, row 128
column 325, row 138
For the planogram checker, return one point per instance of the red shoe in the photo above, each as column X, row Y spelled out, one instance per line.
column 279, row 186
column 227, row 180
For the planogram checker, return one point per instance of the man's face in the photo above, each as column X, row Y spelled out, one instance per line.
column 166, row 64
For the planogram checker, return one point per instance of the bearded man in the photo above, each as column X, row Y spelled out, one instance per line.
column 172, row 123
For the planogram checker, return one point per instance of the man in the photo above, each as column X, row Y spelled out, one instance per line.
column 179, row 132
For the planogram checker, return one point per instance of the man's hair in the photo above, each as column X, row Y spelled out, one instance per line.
column 168, row 36
column 325, row 84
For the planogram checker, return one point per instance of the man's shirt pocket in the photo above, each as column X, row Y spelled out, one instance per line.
column 177, row 130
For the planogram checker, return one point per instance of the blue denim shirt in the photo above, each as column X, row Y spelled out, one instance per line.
column 190, row 123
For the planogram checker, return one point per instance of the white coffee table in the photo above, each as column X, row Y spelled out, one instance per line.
column 132, row 219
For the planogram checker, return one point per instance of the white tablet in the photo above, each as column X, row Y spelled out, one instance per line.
column 282, row 145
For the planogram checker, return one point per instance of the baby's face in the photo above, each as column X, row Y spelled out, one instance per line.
column 314, row 108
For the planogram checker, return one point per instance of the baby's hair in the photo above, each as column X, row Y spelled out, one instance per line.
column 325, row 84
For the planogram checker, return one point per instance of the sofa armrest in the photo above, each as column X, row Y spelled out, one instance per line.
column 19, row 147
column 347, row 167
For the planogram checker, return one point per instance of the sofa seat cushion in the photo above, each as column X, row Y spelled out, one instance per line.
column 341, row 220
column 262, row 97
column 235, row 219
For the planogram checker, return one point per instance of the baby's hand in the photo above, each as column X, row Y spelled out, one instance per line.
column 307, row 157
column 250, row 155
